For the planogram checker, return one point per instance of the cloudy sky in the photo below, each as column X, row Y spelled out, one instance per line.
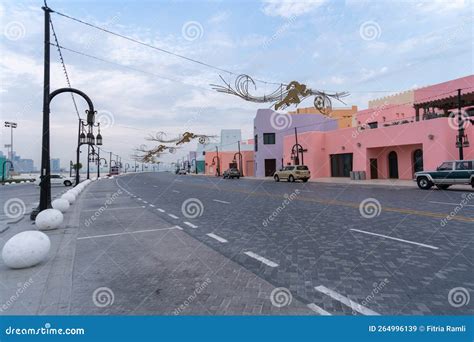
column 368, row 48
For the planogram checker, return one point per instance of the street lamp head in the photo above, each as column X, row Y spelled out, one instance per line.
column 90, row 138
column 82, row 138
column 99, row 139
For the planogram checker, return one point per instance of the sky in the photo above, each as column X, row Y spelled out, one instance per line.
column 367, row 48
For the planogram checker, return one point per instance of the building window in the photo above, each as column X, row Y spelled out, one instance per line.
column 256, row 142
column 269, row 138
column 373, row 124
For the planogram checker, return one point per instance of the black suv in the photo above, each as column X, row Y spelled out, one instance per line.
column 447, row 174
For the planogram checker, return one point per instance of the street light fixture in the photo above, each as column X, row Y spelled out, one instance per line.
column 12, row 125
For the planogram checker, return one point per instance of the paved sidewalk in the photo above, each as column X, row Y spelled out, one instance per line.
column 46, row 288
column 395, row 183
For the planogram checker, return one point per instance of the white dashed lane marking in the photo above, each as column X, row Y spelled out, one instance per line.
column 128, row 233
column 176, row 191
column 173, row 216
column 346, row 301
column 394, row 238
column 217, row 237
column 261, row 259
column 190, row 224
column 160, row 210
column 219, row 201
column 151, row 205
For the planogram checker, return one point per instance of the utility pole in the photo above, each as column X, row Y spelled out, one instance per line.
column 110, row 162
column 460, row 128
column 88, row 154
column 218, row 168
column 45, row 192
column 12, row 125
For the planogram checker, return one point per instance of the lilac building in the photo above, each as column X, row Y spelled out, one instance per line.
column 271, row 127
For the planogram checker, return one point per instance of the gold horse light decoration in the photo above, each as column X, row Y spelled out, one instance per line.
column 186, row 137
column 284, row 96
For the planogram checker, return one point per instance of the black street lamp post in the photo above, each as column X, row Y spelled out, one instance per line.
column 296, row 150
column 218, row 168
column 3, row 168
column 98, row 166
column 92, row 157
column 45, row 175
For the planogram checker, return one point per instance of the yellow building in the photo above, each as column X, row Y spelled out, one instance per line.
column 343, row 115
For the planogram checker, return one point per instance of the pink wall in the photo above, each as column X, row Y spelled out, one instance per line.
column 386, row 113
column 445, row 89
column 226, row 158
column 377, row 143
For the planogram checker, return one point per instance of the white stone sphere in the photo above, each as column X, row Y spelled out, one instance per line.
column 49, row 219
column 74, row 192
column 70, row 197
column 60, row 204
column 26, row 249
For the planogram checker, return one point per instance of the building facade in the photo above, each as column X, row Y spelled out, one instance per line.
column 270, row 129
column 394, row 140
column 223, row 154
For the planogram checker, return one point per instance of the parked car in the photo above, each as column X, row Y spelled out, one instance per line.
column 182, row 172
column 232, row 173
column 293, row 173
column 58, row 179
column 447, row 174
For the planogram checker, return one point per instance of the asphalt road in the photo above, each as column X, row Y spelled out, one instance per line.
column 23, row 197
column 398, row 254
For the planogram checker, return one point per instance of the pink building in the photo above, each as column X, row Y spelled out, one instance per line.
column 394, row 140
column 229, row 159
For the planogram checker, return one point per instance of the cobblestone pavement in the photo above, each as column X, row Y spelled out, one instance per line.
column 343, row 249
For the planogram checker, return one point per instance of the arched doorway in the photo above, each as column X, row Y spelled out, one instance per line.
column 418, row 160
column 392, row 165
